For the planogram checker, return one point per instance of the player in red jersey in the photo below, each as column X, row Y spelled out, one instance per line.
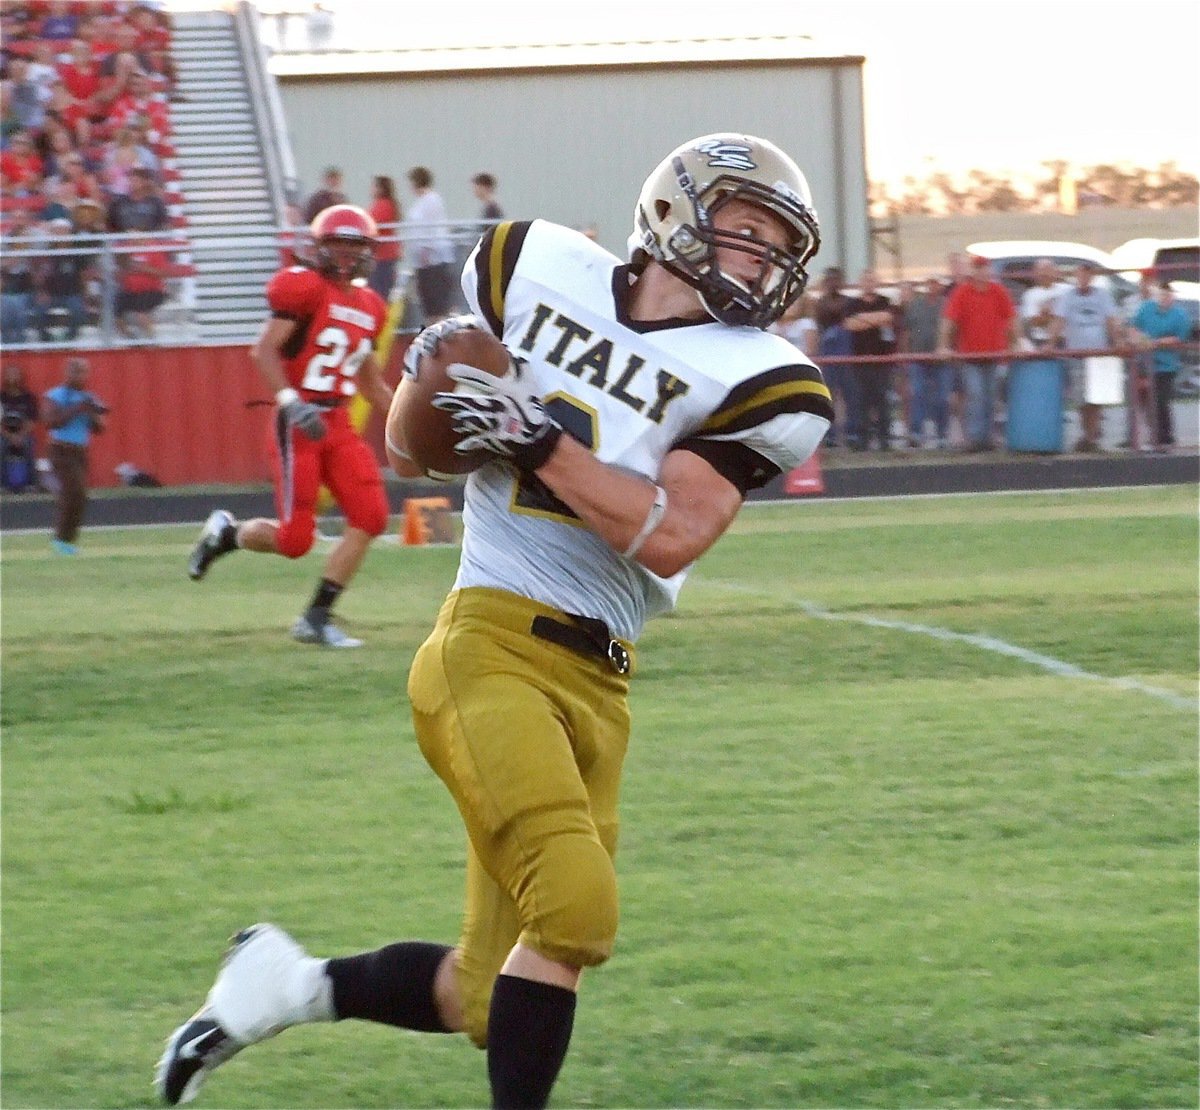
column 315, row 352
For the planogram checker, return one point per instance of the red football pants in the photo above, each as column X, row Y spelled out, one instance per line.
column 343, row 462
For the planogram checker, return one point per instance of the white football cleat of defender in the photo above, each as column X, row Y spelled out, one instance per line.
column 267, row 982
column 327, row 634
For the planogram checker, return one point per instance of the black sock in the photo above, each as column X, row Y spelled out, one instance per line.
column 228, row 538
column 529, row 1029
column 322, row 601
column 393, row 986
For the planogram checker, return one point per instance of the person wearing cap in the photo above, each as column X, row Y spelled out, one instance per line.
column 89, row 217
column 978, row 319
column 88, row 214
column 329, row 194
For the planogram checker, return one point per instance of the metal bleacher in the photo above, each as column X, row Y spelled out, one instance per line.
column 234, row 169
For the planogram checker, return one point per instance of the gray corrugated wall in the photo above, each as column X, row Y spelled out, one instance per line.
column 574, row 146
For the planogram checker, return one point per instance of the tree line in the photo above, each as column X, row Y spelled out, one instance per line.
column 1056, row 186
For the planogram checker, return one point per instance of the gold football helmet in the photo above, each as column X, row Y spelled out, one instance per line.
column 672, row 224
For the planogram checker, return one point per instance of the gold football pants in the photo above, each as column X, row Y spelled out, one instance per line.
column 529, row 738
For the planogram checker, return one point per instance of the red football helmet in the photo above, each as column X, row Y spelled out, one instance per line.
column 344, row 236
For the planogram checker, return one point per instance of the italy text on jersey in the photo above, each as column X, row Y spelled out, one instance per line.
column 628, row 393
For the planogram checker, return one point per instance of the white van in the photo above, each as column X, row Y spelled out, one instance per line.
column 1012, row 261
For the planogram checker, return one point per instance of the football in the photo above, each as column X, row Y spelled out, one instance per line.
column 428, row 433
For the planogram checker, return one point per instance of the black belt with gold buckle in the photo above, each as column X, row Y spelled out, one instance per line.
column 584, row 636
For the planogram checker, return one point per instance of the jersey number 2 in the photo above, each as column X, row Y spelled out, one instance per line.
column 321, row 373
column 532, row 495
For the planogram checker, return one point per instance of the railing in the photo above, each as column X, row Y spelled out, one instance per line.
column 1031, row 397
column 267, row 108
column 90, row 314
column 202, row 276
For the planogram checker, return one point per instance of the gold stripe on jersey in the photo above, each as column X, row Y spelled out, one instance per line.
column 759, row 399
column 494, row 265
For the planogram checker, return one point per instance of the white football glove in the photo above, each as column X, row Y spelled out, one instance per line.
column 428, row 341
column 500, row 415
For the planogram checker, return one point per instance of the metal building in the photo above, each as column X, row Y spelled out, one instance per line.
column 572, row 131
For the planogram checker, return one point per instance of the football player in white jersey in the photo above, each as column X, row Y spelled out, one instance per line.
column 644, row 400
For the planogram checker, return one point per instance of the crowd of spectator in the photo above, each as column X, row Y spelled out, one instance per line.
column 85, row 132
column 933, row 351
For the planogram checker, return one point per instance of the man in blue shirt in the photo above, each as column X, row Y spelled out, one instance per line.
column 72, row 416
column 1162, row 325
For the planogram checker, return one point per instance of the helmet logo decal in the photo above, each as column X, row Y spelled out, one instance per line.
column 784, row 188
column 728, row 156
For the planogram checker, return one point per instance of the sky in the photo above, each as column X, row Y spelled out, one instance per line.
column 949, row 84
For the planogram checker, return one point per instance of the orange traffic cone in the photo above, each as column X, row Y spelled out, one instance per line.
column 806, row 478
column 426, row 520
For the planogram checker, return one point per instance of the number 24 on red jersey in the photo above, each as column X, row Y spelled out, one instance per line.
column 336, row 329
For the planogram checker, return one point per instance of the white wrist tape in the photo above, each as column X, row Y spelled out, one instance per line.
column 286, row 396
column 653, row 518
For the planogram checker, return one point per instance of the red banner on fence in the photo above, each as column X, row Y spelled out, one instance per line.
column 186, row 415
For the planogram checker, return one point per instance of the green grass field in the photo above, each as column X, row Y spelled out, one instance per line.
column 864, row 861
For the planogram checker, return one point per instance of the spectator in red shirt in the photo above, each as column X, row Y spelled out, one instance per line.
column 115, row 78
column 154, row 44
column 979, row 318
column 21, row 165
column 143, row 287
column 65, row 113
column 153, row 33
column 140, row 102
column 385, row 210
column 81, row 74
column 73, row 171
column 126, row 37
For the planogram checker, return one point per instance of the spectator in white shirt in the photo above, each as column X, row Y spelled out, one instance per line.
column 1090, row 322
column 432, row 249
column 1041, row 321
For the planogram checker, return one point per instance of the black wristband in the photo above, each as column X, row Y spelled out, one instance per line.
column 532, row 456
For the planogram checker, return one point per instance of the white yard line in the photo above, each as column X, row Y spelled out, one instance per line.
column 824, row 500
column 811, row 609
column 975, row 639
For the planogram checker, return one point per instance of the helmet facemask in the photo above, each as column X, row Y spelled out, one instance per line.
column 343, row 238
column 345, row 258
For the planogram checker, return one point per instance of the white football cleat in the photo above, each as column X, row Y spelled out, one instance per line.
column 210, row 546
column 327, row 634
column 267, row 982
column 197, row 1047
